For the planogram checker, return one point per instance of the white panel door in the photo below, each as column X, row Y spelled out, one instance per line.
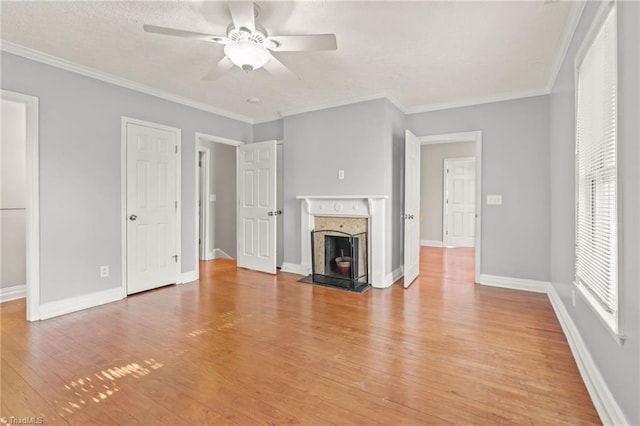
column 459, row 202
column 411, row 214
column 257, row 206
column 151, row 208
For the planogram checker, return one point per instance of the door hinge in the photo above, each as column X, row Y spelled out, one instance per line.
column 199, row 163
column 175, row 257
column 447, row 171
column 447, row 232
column 176, row 203
column 176, row 149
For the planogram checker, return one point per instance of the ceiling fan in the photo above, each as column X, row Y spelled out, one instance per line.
column 250, row 47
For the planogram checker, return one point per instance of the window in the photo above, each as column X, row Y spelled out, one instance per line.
column 596, row 269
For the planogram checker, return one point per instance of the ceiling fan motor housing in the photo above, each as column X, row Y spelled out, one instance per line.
column 259, row 36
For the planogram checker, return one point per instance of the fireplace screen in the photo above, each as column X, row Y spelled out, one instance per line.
column 339, row 259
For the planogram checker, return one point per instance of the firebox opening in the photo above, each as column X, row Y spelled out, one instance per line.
column 340, row 259
column 340, row 248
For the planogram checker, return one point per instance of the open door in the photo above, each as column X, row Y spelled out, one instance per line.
column 411, row 214
column 256, row 224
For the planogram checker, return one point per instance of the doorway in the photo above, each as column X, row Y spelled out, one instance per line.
column 432, row 194
column 19, row 202
column 215, row 197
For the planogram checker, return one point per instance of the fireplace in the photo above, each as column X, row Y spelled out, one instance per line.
column 339, row 259
column 352, row 214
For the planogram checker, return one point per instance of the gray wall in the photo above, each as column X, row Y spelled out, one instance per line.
column 270, row 130
column 431, row 183
column 80, row 121
column 619, row 364
column 515, row 164
column 317, row 144
column 13, row 264
column 223, row 184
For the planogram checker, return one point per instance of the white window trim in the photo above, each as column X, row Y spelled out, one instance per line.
column 613, row 322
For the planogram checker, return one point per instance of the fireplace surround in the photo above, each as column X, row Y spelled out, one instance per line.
column 314, row 208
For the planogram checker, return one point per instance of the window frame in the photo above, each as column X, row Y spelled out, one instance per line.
column 612, row 321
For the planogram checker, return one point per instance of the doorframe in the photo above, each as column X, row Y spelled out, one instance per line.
column 472, row 136
column 32, row 200
column 204, row 208
column 123, row 193
column 214, row 139
column 445, row 191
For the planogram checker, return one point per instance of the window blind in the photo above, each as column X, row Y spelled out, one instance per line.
column 596, row 171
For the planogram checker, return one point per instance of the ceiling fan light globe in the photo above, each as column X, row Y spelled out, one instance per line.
column 247, row 55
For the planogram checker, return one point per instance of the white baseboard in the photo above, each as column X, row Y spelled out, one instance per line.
column 187, row 277
column 210, row 256
column 394, row 276
column 608, row 409
column 431, row 243
column 219, row 253
column 514, row 283
column 295, row 268
column 73, row 304
column 13, row 293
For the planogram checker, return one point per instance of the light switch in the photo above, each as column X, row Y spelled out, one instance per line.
column 494, row 200
column 212, row 198
column 340, row 174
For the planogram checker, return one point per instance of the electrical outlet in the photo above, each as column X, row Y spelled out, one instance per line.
column 340, row 174
column 573, row 297
column 104, row 271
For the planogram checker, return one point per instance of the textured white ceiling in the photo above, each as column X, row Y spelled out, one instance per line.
column 420, row 53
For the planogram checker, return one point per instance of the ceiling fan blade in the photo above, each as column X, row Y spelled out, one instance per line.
column 295, row 43
column 243, row 14
column 184, row 34
column 220, row 68
column 277, row 68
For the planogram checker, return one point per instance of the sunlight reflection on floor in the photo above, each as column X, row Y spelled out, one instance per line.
column 229, row 319
column 103, row 384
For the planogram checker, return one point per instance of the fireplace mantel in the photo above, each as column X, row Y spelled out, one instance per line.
column 369, row 206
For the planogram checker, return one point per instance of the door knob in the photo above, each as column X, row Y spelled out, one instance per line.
column 133, row 217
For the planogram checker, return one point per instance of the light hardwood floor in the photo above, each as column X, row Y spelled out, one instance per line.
column 241, row 347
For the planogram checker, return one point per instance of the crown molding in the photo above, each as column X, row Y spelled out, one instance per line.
column 57, row 62
column 396, row 103
column 343, row 102
column 268, row 118
column 572, row 24
column 477, row 101
column 411, row 110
